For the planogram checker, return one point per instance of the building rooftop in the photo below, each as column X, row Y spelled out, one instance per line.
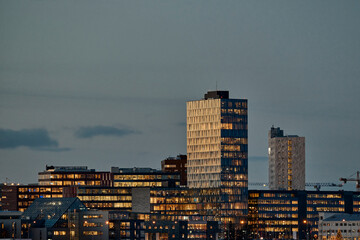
column 216, row 95
column 178, row 157
column 50, row 210
column 277, row 132
column 10, row 214
column 68, row 169
column 343, row 217
column 134, row 170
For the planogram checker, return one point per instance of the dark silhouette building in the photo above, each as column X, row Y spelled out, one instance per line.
column 176, row 165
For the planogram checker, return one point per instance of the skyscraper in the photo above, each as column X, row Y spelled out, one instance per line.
column 217, row 144
column 286, row 161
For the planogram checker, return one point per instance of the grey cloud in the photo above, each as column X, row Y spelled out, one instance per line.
column 89, row 132
column 52, row 149
column 32, row 138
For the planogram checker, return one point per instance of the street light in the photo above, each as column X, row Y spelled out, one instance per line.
column 306, row 229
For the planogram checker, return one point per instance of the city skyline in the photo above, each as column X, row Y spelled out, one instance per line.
column 111, row 90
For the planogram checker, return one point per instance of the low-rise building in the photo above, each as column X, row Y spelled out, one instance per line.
column 294, row 214
column 144, row 177
column 63, row 219
column 332, row 224
column 74, row 175
column 10, row 224
column 20, row 197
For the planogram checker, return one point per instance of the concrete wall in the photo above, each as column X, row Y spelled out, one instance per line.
column 141, row 200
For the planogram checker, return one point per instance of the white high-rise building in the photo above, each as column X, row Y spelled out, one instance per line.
column 217, row 141
column 217, row 153
column 286, row 161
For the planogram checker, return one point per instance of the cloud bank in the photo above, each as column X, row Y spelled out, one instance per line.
column 94, row 131
column 32, row 138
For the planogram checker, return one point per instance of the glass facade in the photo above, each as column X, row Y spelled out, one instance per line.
column 27, row 194
column 126, row 226
column 273, row 214
column 217, row 143
column 106, row 198
column 356, row 200
column 145, row 178
column 20, row 197
column 217, row 151
column 288, row 214
column 74, row 175
column 69, row 179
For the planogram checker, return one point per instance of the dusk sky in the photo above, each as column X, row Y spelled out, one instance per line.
column 105, row 83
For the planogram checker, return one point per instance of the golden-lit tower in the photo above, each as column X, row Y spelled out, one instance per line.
column 217, row 147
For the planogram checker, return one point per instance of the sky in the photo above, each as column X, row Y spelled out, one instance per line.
column 105, row 83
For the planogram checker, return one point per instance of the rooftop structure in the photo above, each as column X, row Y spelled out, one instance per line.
column 68, row 169
column 176, row 165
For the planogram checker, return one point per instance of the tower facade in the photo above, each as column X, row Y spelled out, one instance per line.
column 286, row 161
column 217, row 142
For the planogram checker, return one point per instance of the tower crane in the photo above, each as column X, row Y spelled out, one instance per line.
column 317, row 186
column 357, row 180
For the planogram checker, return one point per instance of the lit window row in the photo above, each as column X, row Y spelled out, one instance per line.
column 105, row 198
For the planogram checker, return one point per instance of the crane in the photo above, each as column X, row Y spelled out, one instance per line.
column 317, row 186
column 357, row 180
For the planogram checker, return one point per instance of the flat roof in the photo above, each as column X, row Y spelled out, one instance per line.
column 343, row 217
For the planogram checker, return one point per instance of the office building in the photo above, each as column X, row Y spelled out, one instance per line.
column 176, row 165
column 51, row 182
column 144, row 177
column 130, row 191
column 286, row 161
column 10, row 224
column 126, row 226
column 217, row 151
column 102, row 198
column 20, row 197
column 63, row 218
column 139, row 226
column 74, row 175
column 334, row 224
column 174, row 230
column 284, row 214
column 217, row 141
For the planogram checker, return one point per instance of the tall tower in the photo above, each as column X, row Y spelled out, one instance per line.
column 217, row 142
column 286, row 161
